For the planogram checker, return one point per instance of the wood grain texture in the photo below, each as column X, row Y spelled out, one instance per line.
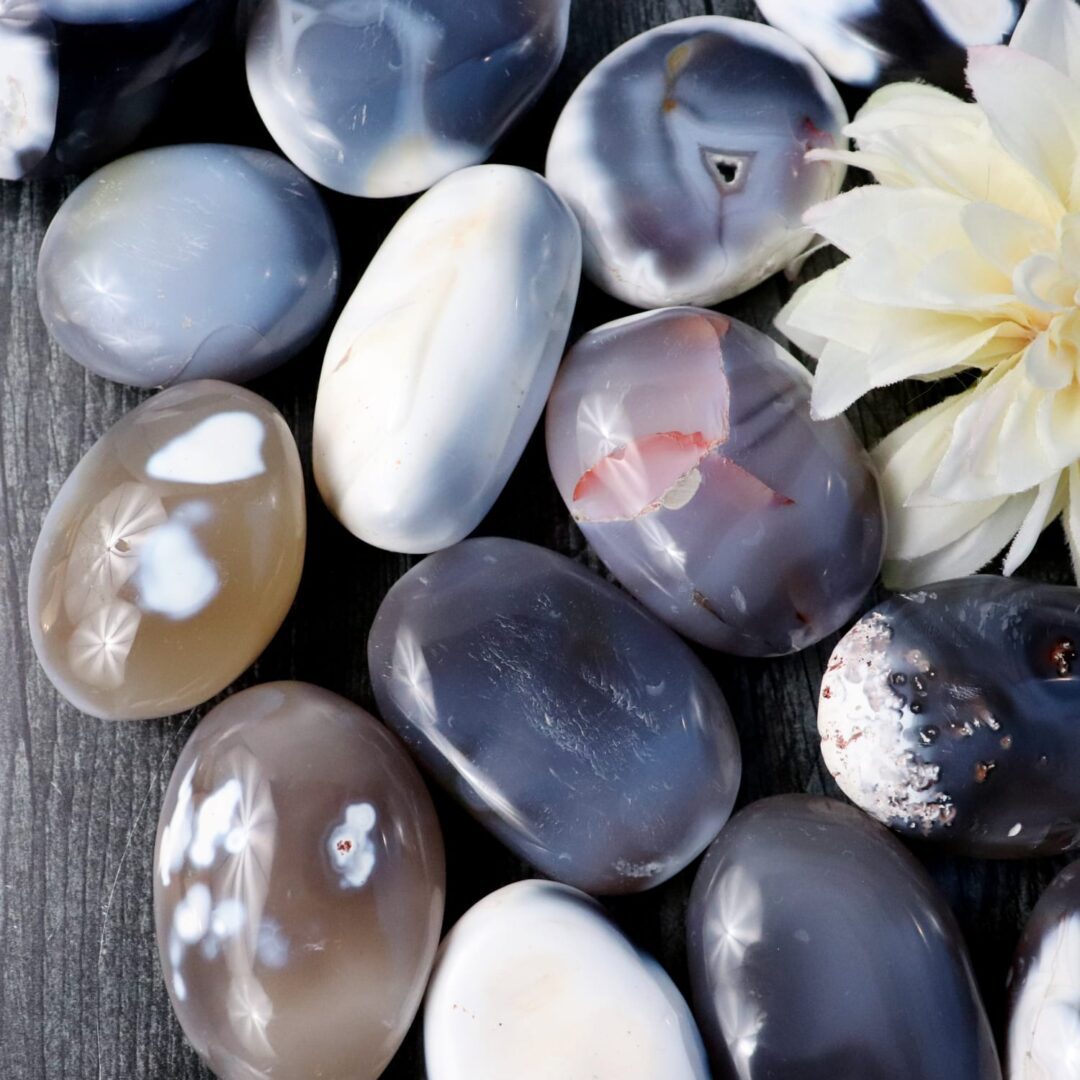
column 81, row 994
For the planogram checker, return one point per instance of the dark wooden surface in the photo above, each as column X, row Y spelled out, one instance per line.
column 81, row 994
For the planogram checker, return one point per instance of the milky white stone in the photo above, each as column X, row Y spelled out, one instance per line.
column 438, row 369
column 220, row 450
column 29, row 91
column 535, row 983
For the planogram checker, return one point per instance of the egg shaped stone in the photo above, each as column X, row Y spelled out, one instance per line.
column 385, row 97
column 535, row 982
column 949, row 714
column 171, row 554
column 438, row 368
column 188, row 262
column 298, row 887
column 871, row 42
column 683, row 154
column 819, row 949
column 82, row 78
column 1044, row 984
column 582, row 732
column 682, row 444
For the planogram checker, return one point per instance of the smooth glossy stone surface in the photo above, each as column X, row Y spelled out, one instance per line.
column 188, row 262
column 821, row 950
column 171, row 554
column 534, row 982
column 951, row 713
column 682, row 444
column 1044, row 1014
column 871, row 42
column 682, row 154
column 583, row 733
column 82, row 78
column 384, row 97
column 298, row 887
column 439, row 367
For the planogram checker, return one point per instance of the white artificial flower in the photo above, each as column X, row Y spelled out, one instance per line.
column 965, row 256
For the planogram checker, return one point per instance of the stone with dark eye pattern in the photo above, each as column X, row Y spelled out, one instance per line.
column 82, row 78
column 298, row 887
column 683, row 153
column 950, row 714
column 820, row 949
column 682, row 444
column 571, row 723
column 384, row 97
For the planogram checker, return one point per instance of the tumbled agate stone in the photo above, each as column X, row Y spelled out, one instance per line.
column 871, row 42
column 1044, row 1013
column 80, row 79
column 950, row 714
column 188, row 262
column 683, row 155
column 819, row 949
column 298, row 887
column 384, row 97
column 534, row 982
column 583, row 733
column 171, row 554
column 439, row 367
column 682, row 444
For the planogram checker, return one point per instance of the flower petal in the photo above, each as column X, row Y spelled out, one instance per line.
column 1047, row 367
column 1050, row 30
column 1047, row 505
column 1071, row 517
column 1002, row 237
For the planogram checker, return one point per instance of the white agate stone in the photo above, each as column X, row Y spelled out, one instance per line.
column 534, row 982
column 441, row 362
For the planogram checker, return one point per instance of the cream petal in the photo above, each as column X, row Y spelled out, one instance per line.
column 1058, row 426
column 1004, row 238
column 1046, row 506
column 841, row 378
column 1071, row 518
column 809, row 319
column 1047, row 367
column 1050, row 29
column 1040, row 282
column 1068, row 244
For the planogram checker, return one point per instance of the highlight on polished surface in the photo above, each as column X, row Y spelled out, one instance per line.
column 170, row 555
column 298, row 887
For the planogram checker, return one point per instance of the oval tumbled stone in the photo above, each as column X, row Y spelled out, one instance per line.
column 534, row 982
column 820, row 949
column 950, row 714
column 298, row 887
column 171, row 554
column 188, row 262
column 682, row 444
column 439, row 367
column 577, row 728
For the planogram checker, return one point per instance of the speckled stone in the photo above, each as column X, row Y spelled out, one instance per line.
column 582, row 732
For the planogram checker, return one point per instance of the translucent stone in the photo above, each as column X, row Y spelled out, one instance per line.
column 438, row 369
column 683, row 156
column 950, row 714
column 682, row 444
column 384, row 97
column 298, row 887
column 582, row 732
column 171, row 554
column 820, row 949
column 188, row 262
column 534, row 982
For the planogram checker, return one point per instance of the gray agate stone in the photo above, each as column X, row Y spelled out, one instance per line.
column 582, row 732
column 951, row 713
column 682, row 444
column 683, row 153
column 384, row 97
column 188, row 262
column 819, row 949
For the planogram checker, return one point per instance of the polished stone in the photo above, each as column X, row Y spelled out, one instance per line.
column 438, row 369
column 170, row 555
column 82, row 78
column 1044, row 984
column 188, row 262
column 298, row 887
column 583, row 733
column 683, row 155
column 820, row 949
column 682, row 444
column 385, row 97
column 950, row 714
column 535, row 983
